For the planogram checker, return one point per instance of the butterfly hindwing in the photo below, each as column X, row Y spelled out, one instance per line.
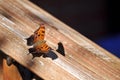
column 41, row 46
column 45, row 48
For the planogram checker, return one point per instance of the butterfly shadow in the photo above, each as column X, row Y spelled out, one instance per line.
column 30, row 40
column 50, row 54
column 61, row 49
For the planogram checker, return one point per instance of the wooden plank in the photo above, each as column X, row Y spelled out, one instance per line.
column 10, row 72
column 84, row 59
column 1, row 66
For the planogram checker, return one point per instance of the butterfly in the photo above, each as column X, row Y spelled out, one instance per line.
column 39, row 44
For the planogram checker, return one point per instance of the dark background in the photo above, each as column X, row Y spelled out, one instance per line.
column 96, row 19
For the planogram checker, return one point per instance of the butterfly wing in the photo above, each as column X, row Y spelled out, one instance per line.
column 45, row 48
column 42, row 47
column 39, row 33
column 39, row 42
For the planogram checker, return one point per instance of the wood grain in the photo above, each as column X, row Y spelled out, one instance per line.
column 1, row 66
column 10, row 72
column 84, row 59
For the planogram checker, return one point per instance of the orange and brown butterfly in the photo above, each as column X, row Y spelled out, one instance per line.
column 39, row 44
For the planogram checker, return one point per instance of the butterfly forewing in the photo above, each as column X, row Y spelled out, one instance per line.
column 39, row 33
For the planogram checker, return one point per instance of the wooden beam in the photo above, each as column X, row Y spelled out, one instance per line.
column 84, row 59
column 10, row 72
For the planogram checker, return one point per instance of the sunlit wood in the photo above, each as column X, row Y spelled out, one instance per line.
column 84, row 60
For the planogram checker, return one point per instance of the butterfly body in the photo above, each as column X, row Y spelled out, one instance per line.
column 39, row 43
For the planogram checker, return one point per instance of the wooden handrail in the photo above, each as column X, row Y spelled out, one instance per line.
column 84, row 59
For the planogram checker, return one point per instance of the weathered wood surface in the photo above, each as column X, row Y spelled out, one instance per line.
column 7, row 72
column 1, row 68
column 84, row 59
column 10, row 72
